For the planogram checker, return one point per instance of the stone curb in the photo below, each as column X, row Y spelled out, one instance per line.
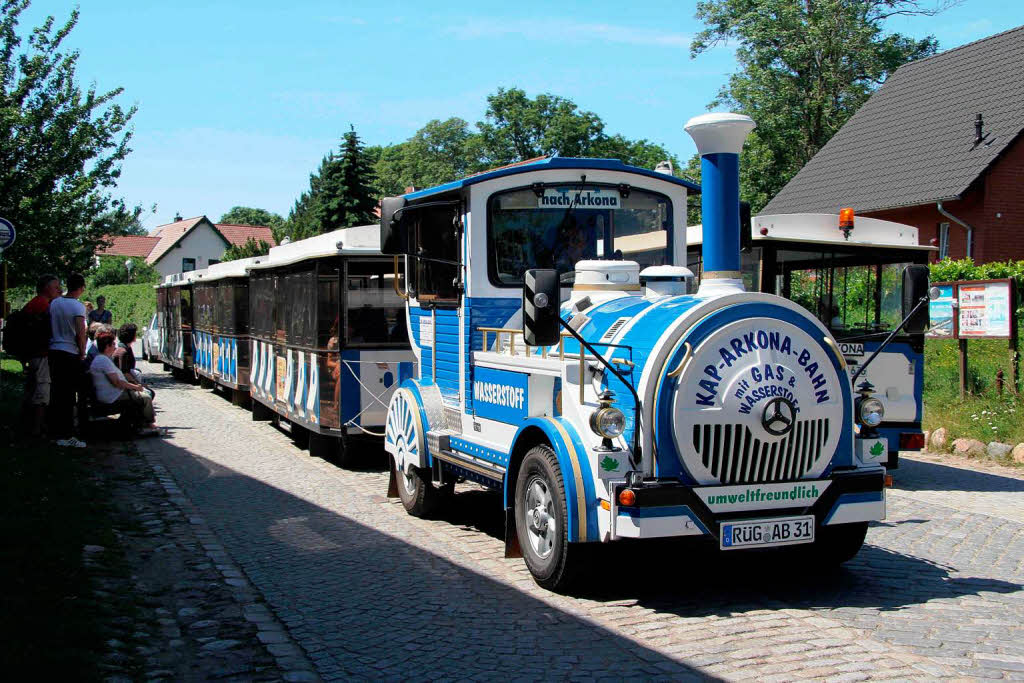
column 291, row 659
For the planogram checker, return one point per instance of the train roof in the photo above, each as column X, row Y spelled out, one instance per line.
column 360, row 240
column 226, row 269
column 178, row 279
column 551, row 163
column 823, row 228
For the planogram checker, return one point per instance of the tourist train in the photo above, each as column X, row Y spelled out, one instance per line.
column 552, row 330
column 562, row 361
column 313, row 335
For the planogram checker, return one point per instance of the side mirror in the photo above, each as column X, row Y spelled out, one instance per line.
column 540, row 307
column 746, row 239
column 394, row 232
column 915, row 288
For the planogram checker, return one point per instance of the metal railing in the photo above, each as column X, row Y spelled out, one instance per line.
column 543, row 351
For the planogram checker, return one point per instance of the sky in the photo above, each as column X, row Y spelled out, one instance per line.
column 238, row 101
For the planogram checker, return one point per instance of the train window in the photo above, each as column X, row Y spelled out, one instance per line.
column 261, row 305
column 240, row 296
column 374, row 313
column 556, row 227
column 186, row 307
column 436, row 268
column 328, row 305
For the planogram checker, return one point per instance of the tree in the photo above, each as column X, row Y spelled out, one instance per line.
column 246, row 215
column 805, row 67
column 60, row 149
column 437, row 153
column 122, row 220
column 517, row 127
column 347, row 196
column 249, row 249
column 302, row 221
column 112, row 271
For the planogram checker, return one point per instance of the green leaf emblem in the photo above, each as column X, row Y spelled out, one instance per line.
column 877, row 449
column 609, row 464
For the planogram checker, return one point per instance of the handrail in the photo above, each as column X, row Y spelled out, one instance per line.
column 394, row 283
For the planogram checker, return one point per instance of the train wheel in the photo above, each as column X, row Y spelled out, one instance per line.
column 417, row 492
column 840, row 543
column 542, row 520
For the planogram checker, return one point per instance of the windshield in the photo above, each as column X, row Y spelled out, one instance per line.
column 849, row 296
column 555, row 227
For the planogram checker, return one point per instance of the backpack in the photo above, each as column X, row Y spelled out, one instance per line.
column 26, row 334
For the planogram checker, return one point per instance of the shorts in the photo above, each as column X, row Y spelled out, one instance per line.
column 37, row 384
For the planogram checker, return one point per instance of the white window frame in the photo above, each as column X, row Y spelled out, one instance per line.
column 943, row 240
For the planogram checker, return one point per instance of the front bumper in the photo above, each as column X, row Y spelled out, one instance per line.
column 670, row 508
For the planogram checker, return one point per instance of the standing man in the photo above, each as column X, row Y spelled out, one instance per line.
column 67, row 351
column 37, row 377
column 101, row 314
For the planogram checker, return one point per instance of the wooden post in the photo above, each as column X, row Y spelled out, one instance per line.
column 1014, row 346
column 1014, row 358
column 963, row 367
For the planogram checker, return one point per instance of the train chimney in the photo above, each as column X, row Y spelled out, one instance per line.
column 719, row 139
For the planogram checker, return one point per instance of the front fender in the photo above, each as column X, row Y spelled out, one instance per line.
column 581, row 498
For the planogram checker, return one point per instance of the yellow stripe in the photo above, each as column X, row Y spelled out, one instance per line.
column 581, row 498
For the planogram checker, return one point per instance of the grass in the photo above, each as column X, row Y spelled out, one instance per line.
column 983, row 414
column 51, row 505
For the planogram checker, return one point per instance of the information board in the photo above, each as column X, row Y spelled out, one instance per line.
column 941, row 312
column 985, row 309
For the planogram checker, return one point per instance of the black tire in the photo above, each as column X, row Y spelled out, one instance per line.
column 840, row 543
column 556, row 567
column 418, row 494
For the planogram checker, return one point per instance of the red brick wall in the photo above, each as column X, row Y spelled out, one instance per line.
column 994, row 207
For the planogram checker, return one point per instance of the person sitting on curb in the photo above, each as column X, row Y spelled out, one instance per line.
column 112, row 387
column 90, row 346
column 124, row 356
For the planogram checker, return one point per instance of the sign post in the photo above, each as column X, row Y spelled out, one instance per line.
column 977, row 309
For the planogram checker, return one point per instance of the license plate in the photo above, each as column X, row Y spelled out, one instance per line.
column 763, row 533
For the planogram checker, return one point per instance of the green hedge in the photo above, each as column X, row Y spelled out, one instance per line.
column 127, row 303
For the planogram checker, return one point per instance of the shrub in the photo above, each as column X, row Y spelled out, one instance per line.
column 134, row 303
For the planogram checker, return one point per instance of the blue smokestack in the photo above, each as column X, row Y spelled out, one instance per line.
column 719, row 139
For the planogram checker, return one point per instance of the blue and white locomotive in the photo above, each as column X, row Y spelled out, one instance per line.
column 562, row 361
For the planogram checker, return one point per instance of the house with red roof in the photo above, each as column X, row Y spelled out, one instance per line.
column 186, row 244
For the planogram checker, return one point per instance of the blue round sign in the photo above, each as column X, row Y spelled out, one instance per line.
column 7, row 234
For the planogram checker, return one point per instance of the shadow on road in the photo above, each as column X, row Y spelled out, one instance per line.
column 919, row 475
column 381, row 606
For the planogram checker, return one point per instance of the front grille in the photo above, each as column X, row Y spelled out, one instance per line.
column 733, row 455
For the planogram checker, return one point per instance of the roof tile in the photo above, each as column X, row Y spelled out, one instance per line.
column 912, row 142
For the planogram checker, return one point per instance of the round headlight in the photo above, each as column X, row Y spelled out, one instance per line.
column 871, row 412
column 540, row 300
column 608, row 422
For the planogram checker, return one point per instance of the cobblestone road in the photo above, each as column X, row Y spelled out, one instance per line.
column 368, row 591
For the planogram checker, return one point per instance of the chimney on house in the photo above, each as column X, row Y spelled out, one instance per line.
column 177, row 216
column 979, row 125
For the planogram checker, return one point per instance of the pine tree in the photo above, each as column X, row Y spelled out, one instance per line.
column 347, row 197
column 303, row 220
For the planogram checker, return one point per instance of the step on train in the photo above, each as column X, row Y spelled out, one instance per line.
column 536, row 329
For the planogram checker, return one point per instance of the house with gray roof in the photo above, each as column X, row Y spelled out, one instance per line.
column 939, row 146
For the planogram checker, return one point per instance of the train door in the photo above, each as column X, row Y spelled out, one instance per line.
column 376, row 337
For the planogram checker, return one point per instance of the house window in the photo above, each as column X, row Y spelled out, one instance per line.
column 943, row 240
column 188, row 264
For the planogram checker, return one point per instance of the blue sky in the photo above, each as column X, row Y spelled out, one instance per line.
column 238, row 101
